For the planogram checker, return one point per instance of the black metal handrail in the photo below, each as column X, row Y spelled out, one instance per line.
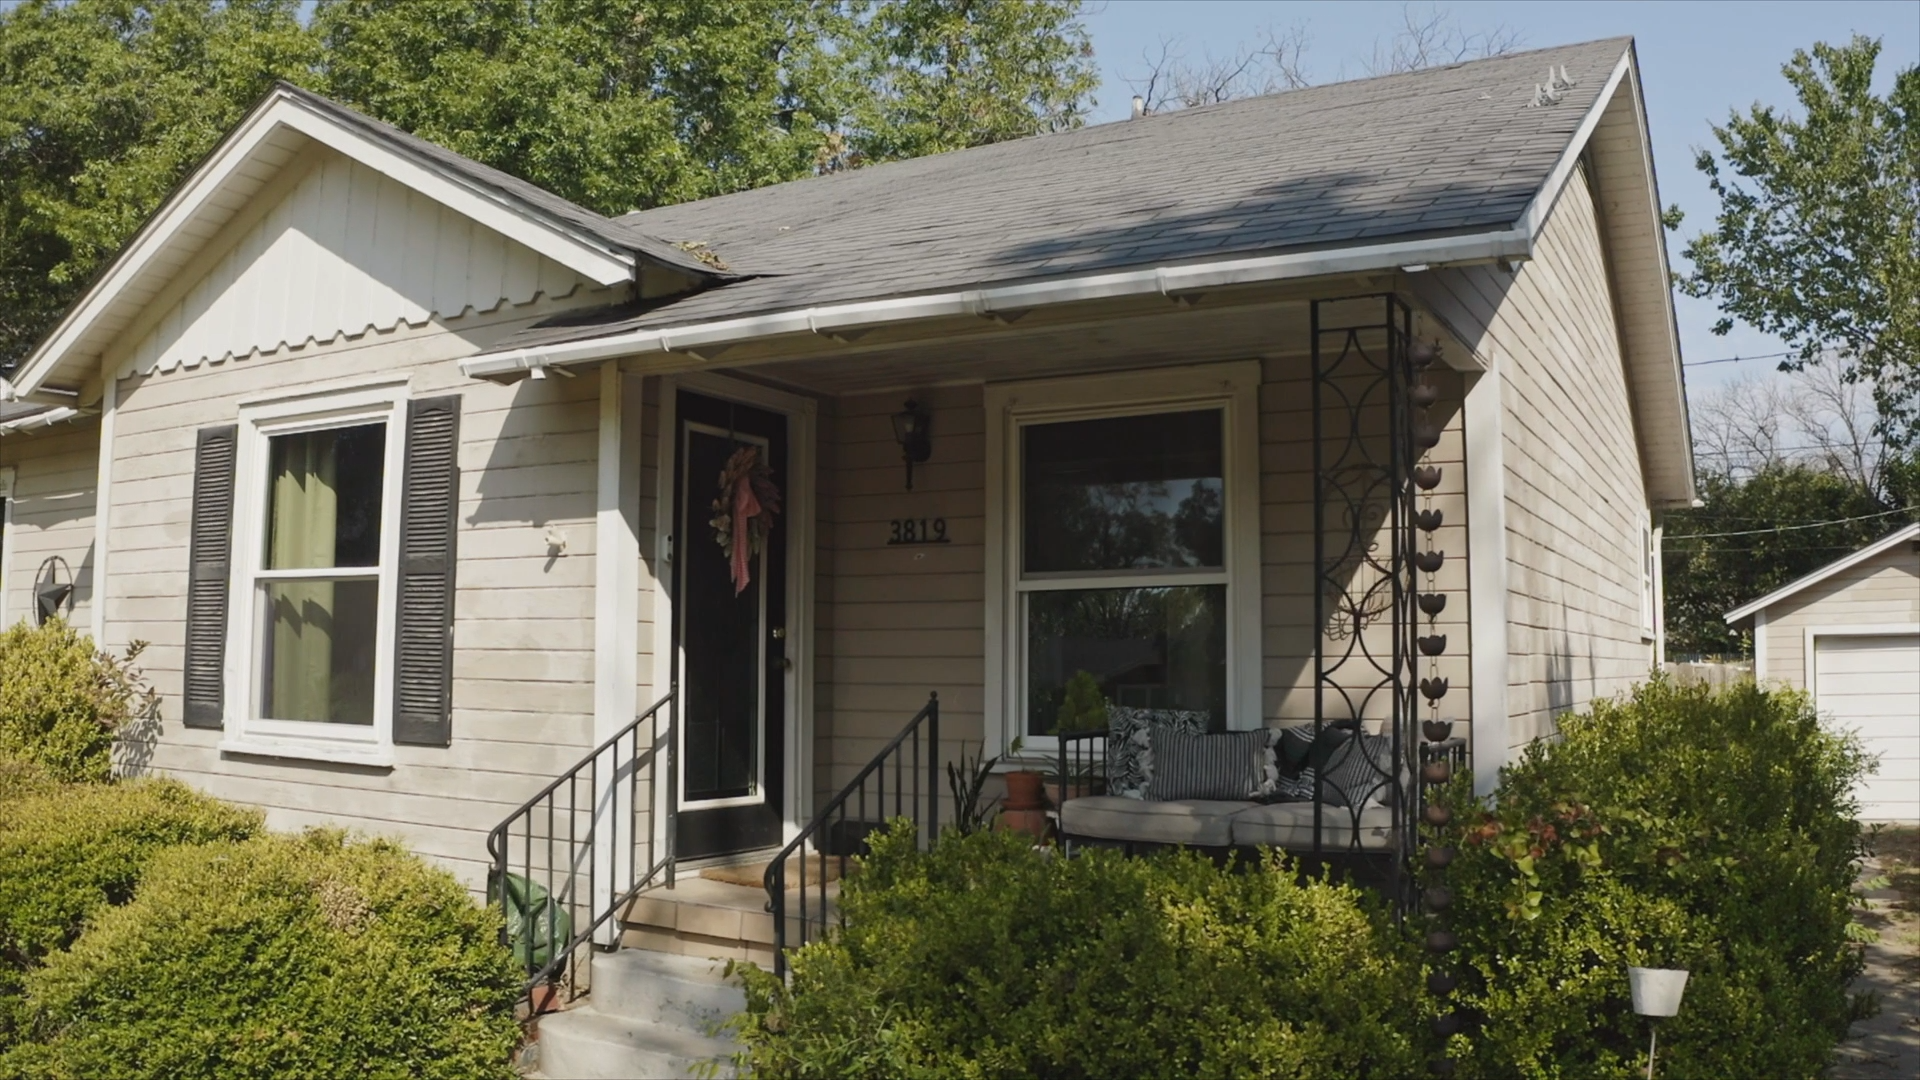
column 559, row 885
column 842, row 840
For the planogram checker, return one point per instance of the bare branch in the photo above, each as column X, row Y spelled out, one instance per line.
column 1435, row 38
column 1272, row 62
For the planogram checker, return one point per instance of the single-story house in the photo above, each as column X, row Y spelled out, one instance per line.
column 1355, row 405
column 1849, row 635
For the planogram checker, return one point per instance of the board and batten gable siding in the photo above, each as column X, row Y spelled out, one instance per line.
column 55, row 472
column 1575, row 493
column 523, row 656
column 1883, row 590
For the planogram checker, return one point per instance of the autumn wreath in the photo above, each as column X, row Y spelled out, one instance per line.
column 743, row 511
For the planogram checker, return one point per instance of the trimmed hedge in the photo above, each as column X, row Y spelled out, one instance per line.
column 987, row 958
column 68, row 851
column 1677, row 827
column 305, row 956
column 62, row 700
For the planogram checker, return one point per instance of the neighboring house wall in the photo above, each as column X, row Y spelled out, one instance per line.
column 55, row 471
column 1880, row 591
column 1576, row 501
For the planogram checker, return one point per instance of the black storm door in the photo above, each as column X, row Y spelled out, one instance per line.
column 730, row 643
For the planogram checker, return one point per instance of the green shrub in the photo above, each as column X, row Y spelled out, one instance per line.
column 278, row 956
column 986, row 958
column 62, row 700
column 19, row 779
column 66, row 851
column 1676, row 828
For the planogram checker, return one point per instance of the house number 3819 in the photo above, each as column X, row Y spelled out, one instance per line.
column 917, row 531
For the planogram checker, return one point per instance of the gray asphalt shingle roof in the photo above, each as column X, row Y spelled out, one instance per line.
column 1448, row 150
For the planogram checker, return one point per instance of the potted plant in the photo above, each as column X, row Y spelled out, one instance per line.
column 1083, row 708
column 1024, row 809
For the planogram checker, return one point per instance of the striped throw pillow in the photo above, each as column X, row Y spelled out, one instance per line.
column 1234, row 765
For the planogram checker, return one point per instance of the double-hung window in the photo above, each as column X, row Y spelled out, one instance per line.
column 316, row 544
column 1124, row 540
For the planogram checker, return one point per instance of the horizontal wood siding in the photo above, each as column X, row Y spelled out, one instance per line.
column 1884, row 589
column 1574, row 486
column 523, row 664
column 55, row 472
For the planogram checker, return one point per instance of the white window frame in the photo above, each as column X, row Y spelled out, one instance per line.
column 1649, row 578
column 317, row 409
column 1234, row 388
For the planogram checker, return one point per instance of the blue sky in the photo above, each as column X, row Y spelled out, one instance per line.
column 1700, row 60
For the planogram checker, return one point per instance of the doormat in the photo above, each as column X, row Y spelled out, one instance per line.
column 755, row 873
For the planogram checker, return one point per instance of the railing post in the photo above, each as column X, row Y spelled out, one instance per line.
column 673, row 776
column 933, row 767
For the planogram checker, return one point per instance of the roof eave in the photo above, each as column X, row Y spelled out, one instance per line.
column 1884, row 544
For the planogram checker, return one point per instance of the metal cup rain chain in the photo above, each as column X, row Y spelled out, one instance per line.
column 1436, row 769
column 743, row 512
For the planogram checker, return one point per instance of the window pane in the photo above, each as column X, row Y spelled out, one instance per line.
column 1161, row 648
column 320, row 651
column 324, row 498
column 1126, row 492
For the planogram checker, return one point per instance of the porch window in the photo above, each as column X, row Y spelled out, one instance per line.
column 1123, row 546
column 1123, row 562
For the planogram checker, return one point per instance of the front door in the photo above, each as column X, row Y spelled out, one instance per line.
column 729, row 642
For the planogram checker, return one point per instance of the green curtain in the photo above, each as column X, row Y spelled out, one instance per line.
column 304, row 524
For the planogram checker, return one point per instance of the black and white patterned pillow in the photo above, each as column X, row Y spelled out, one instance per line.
column 1293, row 787
column 1230, row 765
column 1293, row 744
column 1129, row 749
column 1358, row 771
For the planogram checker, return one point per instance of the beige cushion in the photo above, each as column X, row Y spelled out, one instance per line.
column 1290, row 825
column 1194, row 822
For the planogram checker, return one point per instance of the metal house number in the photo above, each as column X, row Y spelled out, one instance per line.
column 917, row 531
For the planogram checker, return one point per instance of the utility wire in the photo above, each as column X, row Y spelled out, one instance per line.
column 1792, row 528
column 1738, row 359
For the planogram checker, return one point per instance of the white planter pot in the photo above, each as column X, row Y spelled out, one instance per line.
column 1656, row 991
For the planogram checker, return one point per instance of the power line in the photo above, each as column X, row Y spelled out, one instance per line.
column 1792, row 528
column 1737, row 359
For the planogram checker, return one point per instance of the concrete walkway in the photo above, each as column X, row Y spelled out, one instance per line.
column 1887, row 1047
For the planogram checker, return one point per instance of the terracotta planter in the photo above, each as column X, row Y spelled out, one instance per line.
column 544, row 998
column 1024, row 791
column 1075, row 790
column 1032, row 822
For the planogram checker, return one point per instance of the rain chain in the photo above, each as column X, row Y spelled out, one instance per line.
column 1436, row 770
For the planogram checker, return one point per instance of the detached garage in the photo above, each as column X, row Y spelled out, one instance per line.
column 1850, row 634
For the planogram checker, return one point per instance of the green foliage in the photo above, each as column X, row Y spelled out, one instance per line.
column 1677, row 828
column 68, row 852
column 616, row 104
column 278, row 956
column 967, row 784
column 62, row 701
column 1818, row 235
column 1707, row 577
column 985, row 958
column 1083, row 707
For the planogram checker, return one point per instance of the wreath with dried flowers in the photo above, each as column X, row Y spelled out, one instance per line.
column 743, row 512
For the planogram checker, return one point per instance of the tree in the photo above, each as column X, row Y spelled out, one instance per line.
column 1816, row 417
column 105, row 105
column 1818, row 235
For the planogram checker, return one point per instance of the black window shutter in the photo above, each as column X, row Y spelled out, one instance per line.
column 209, row 559
column 430, row 495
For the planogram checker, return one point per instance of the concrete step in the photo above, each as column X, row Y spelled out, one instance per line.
column 712, row 919
column 585, row 1044
column 657, row 988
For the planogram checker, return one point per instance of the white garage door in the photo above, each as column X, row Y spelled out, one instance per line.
column 1871, row 685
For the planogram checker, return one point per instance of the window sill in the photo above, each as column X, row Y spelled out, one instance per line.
column 371, row 756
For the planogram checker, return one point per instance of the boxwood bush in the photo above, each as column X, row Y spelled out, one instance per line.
column 282, row 956
column 62, row 700
column 68, row 851
column 985, row 958
column 1678, row 827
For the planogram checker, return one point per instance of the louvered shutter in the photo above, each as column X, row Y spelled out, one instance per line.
column 423, row 668
column 209, row 561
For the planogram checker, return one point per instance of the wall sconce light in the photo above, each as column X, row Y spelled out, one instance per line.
column 910, row 430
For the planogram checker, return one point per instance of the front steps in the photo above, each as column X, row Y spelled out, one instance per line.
column 655, row 1004
column 649, row 1015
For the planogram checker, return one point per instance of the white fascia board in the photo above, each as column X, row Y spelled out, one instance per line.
column 1885, row 543
column 1549, row 193
column 1166, row 280
column 281, row 110
column 40, row 420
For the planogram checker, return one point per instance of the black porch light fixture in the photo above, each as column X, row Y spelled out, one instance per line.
column 910, row 430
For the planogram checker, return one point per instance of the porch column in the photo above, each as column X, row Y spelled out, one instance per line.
column 616, row 626
column 1487, row 574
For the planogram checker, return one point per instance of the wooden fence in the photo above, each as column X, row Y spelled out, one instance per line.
column 1693, row 674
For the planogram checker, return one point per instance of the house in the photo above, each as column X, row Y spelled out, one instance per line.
column 1849, row 635
column 1354, row 403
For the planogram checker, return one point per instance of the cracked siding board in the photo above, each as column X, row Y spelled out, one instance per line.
column 1882, row 590
column 55, row 473
column 1575, row 491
